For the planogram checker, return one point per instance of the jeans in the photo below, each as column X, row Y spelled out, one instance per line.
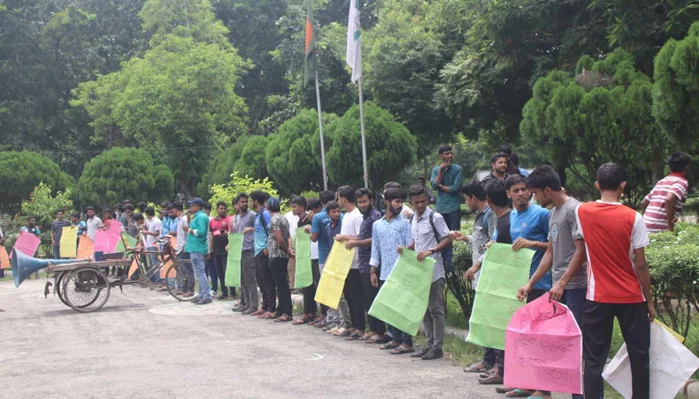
column 56, row 252
column 185, row 277
column 154, row 263
column 355, row 301
column 309, row 293
column 248, row 278
column 597, row 328
column 369, row 292
column 220, row 263
column 199, row 266
column 211, row 273
column 453, row 221
column 266, row 282
column 434, row 321
column 280, row 276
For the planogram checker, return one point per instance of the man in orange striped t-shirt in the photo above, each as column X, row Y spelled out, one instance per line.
column 618, row 283
column 668, row 193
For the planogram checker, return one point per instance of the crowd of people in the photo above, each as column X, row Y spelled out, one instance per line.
column 589, row 256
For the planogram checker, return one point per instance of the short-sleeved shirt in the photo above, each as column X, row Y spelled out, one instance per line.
column 612, row 232
column 365, row 233
column 386, row 237
column 424, row 237
column 243, row 221
column 351, row 225
column 448, row 202
column 563, row 226
column 197, row 235
column 293, row 222
column 262, row 220
column 655, row 216
column 220, row 240
column 533, row 225
column 93, row 224
column 34, row 230
column 502, row 230
column 318, row 224
column 278, row 223
column 82, row 227
column 152, row 225
column 57, row 229
column 331, row 230
column 181, row 234
column 483, row 231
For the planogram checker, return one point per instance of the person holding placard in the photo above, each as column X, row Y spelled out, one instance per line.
column 389, row 233
column 318, row 233
column 245, row 223
column 220, row 226
column 279, row 254
column 619, row 287
column 57, row 231
column 430, row 237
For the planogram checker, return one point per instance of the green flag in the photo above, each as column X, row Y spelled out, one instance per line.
column 402, row 300
column 310, row 62
column 235, row 252
column 304, row 275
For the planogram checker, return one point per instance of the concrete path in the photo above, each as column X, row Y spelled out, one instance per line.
column 145, row 345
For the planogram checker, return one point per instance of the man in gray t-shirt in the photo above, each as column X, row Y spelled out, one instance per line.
column 244, row 223
column 569, row 272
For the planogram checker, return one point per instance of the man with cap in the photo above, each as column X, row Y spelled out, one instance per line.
column 198, row 249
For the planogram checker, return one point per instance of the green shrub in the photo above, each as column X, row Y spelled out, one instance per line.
column 674, row 271
column 460, row 288
column 239, row 184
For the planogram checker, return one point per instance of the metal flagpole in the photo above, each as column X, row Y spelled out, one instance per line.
column 361, row 116
column 322, row 143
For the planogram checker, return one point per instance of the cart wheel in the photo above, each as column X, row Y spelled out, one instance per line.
column 86, row 289
column 59, row 288
column 178, row 276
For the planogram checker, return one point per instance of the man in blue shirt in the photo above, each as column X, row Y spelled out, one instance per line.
column 264, row 273
column 446, row 181
column 529, row 227
column 389, row 233
column 317, row 229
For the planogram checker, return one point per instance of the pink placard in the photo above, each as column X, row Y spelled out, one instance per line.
column 27, row 243
column 543, row 348
column 105, row 241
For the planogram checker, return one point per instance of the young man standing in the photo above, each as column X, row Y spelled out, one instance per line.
column 370, row 215
column 430, row 237
column 569, row 288
column 187, row 280
column 313, row 207
column 423, row 183
column 446, row 180
column 335, row 320
column 389, row 233
column 351, row 225
column 198, row 249
column 483, row 231
column 662, row 207
column 151, row 234
column 75, row 221
column 219, row 226
column 302, row 219
column 264, row 275
column 500, row 163
column 245, row 223
column 293, row 221
column 279, row 254
column 618, row 283
column 56, row 233
column 210, row 265
column 319, row 224
column 93, row 223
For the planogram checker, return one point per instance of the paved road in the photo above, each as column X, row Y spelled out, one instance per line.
column 144, row 345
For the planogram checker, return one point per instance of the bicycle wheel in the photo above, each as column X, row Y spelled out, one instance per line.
column 59, row 290
column 180, row 277
column 86, row 289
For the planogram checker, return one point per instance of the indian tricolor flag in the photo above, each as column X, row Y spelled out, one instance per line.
column 354, row 42
column 310, row 60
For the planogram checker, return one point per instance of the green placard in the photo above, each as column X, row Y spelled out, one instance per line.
column 304, row 275
column 503, row 273
column 235, row 252
column 402, row 300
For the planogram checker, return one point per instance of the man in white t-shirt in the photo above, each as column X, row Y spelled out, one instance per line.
column 150, row 235
column 293, row 220
column 351, row 224
column 186, row 281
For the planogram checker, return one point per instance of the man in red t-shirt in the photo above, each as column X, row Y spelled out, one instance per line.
column 668, row 193
column 618, row 282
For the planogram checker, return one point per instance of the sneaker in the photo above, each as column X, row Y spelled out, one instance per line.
column 420, row 353
column 222, row 297
column 493, row 379
column 213, row 293
column 433, row 354
column 203, row 301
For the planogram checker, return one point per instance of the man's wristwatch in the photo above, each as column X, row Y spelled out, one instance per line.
column 432, row 251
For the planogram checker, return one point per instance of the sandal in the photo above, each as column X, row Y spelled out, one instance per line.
column 517, row 393
column 367, row 336
column 503, row 389
column 353, row 337
column 303, row 320
column 476, row 368
column 389, row 345
column 383, row 340
column 283, row 318
column 400, row 350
